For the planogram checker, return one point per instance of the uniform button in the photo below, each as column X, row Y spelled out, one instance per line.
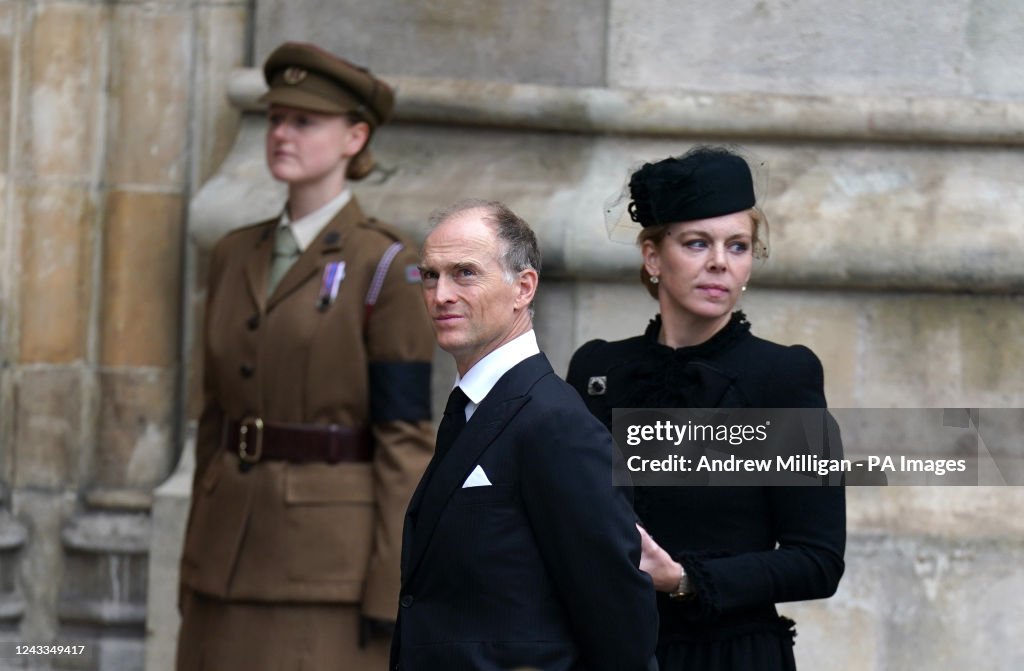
column 253, row 322
column 246, row 370
column 406, row 600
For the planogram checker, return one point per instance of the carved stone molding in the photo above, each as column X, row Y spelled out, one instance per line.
column 876, row 193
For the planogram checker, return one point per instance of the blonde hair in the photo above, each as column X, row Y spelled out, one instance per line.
column 363, row 163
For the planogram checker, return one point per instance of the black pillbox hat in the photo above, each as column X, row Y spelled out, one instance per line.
column 705, row 182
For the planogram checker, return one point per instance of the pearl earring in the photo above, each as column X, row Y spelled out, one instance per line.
column 743, row 288
column 654, row 279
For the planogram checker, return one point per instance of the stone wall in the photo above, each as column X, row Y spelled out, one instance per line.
column 113, row 113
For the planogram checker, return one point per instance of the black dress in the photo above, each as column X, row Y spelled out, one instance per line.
column 744, row 548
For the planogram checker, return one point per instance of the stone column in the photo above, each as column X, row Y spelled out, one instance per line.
column 136, row 325
column 112, row 112
column 55, row 80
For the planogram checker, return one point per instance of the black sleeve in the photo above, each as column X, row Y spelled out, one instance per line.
column 586, row 534
column 809, row 522
column 400, row 391
column 807, row 564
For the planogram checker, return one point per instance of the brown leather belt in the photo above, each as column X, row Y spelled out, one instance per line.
column 254, row 440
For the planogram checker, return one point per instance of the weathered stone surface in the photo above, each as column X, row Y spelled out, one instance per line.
column 47, row 426
column 61, row 75
column 909, row 602
column 221, row 39
column 12, row 543
column 169, row 515
column 141, row 279
column 506, row 40
column 764, row 117
column 103, row 589
column 554, row 318
column 9, row 21
column 146, row 132
column 822, row 321
column 843, row 330
column 815, row 49
column 940, row 218
column 947, row 512
column 56, row 229
column 8, row 336
column 853, row 214
column 932, row 351
column 135, row 428
column 993, row 61
column 989, row 352
column 9, row 248
column 42, row 513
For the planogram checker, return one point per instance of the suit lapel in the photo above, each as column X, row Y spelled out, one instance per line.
column 445, row 477
column 330, row 240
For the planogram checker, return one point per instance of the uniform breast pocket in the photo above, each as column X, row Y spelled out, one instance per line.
column 330, row 521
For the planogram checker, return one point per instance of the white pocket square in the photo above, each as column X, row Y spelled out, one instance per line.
column 477, row 479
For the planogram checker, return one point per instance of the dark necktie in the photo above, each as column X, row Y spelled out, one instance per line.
column 452, row 422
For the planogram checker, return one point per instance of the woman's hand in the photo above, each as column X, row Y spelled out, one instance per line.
column 657, row 563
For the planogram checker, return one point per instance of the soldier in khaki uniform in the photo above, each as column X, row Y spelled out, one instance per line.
column 316, row 421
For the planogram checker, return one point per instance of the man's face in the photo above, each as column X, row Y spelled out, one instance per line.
column 473, row 308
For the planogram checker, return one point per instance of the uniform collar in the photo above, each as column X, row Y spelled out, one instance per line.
column 308, row 227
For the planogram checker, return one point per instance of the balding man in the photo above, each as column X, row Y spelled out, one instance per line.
column 518, row 551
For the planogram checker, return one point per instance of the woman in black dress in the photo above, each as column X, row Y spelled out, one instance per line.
column 720, row 557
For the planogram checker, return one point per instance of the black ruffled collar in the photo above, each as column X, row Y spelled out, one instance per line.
column 666, row 377
column 737, row 327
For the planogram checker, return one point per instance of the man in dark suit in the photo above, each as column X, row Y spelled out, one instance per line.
column 517, row 551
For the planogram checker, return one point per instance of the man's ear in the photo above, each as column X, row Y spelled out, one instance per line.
column 526, row 283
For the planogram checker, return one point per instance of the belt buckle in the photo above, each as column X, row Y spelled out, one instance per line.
column 248, row 424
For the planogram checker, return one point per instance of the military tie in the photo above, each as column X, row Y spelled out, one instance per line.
column 286, row 250
column 453, row 421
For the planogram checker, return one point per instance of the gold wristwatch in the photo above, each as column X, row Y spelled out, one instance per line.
column 683, row 590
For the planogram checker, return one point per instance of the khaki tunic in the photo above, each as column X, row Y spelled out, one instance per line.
column 310, row 532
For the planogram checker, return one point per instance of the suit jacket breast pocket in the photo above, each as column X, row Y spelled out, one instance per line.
column 330, row 521
column 482, row 496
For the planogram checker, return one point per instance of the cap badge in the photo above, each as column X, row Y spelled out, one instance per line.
column 294, row 75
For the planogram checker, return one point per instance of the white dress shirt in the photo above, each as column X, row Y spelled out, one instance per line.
column 308, row 227
column 481, row 378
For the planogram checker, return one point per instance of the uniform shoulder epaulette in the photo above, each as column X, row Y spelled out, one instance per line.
column 248, row 229
column 385, row 229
